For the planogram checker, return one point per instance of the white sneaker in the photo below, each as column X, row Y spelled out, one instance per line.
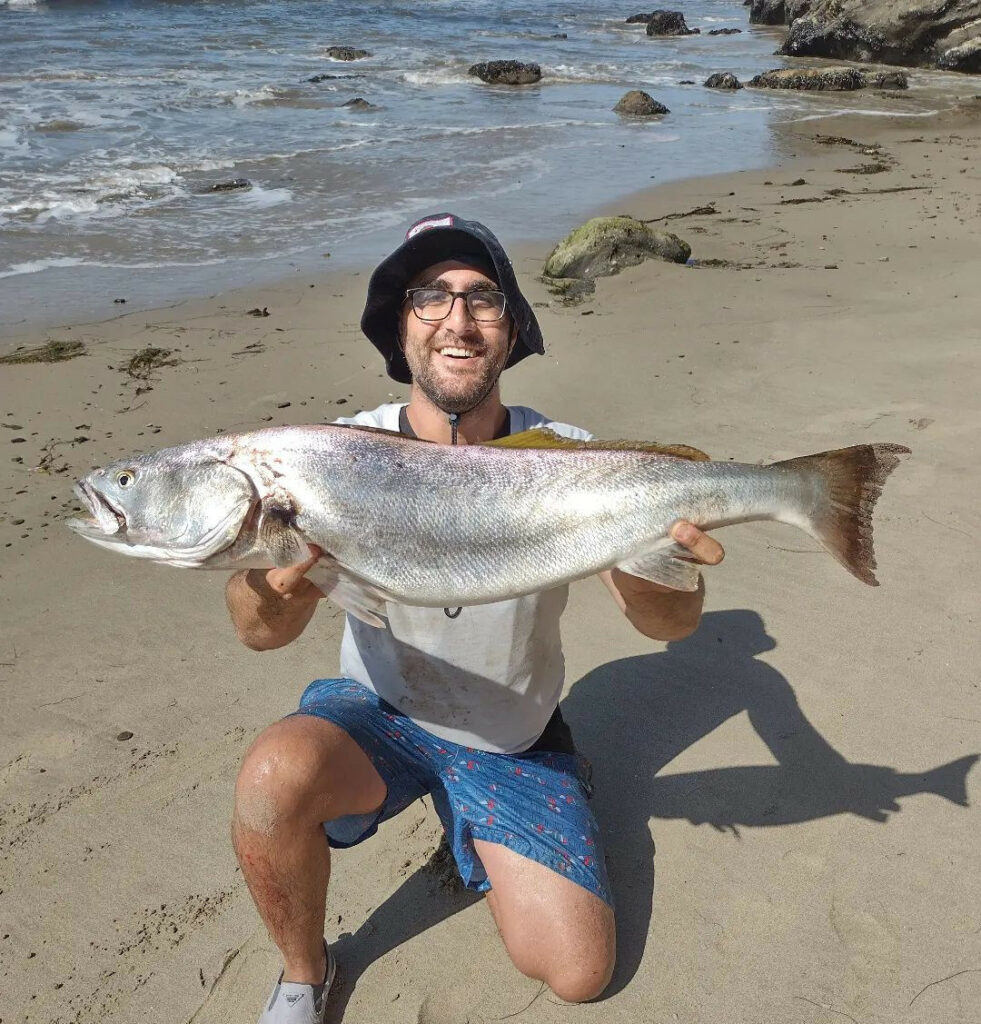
column 293, row 1003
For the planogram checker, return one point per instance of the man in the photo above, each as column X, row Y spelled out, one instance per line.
column 460, row 704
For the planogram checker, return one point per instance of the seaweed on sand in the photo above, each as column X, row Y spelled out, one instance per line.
column 49, row 352
column 148, row 359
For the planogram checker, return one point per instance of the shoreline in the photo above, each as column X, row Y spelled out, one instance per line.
column 262, row 276
column 805, row 761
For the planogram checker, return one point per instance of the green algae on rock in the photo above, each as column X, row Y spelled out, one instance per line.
column 604, row 246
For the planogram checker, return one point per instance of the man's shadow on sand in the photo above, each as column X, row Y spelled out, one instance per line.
column 631, row 718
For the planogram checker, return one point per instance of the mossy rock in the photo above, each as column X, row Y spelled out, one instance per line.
column 640, row 104
column 569, row 290
column 605, row 245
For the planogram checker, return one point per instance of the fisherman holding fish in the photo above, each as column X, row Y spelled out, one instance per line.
column 452, row 560
column 458, row 703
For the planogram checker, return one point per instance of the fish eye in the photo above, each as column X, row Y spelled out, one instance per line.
column 126, row 477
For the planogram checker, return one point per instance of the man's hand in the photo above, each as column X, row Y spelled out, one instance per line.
column 271, row 607
column 292, row 582
column 705, row 550
column 658, row 611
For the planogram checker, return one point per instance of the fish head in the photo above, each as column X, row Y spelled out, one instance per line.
column 182, row 506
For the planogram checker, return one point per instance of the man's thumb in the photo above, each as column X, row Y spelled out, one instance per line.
column 286, row 581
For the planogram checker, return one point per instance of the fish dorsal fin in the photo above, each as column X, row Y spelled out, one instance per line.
column 542, row 437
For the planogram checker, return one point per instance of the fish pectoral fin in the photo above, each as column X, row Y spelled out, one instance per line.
column 665, row 567
column 347, row 591
column 543, row 437
column 279, row 535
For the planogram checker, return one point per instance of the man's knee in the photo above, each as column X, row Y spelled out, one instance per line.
column 574, row 975
column 580, row 982
column 301, row 768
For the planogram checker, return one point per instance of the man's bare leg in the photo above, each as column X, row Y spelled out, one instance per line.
column 298, row 773
column 553, row 929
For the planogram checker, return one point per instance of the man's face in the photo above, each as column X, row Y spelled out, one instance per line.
column 455, row 362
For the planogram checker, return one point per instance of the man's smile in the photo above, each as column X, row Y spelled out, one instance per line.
column 456, row 352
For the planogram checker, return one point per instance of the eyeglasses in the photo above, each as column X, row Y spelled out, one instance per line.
column 433, row 304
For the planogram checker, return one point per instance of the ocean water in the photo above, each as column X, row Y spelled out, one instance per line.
column 118, row 116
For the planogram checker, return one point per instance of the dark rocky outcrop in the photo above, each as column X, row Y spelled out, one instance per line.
column 669, row 23
column 236, row 184
column 506, row 72
column 640, row 104
column 886, row 79
column 604, row 246
column 639, row 19
column 913, row 33
column 966, row 57
column 724, row 31
column 346, row 53
column 828, row 79
column 723, row 80
column 330, row 78
column 359, row 103
column 777, row 12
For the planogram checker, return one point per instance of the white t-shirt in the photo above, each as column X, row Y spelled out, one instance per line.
column 489, row 678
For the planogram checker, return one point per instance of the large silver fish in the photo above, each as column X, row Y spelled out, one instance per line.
column 440, row 526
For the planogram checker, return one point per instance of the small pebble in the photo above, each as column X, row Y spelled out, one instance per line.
column 124, row 735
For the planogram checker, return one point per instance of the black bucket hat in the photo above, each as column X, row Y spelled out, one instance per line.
column 431, row 240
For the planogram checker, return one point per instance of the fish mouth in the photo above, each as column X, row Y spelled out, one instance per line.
column 105, row 518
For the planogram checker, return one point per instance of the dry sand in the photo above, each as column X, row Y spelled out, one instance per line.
column 815, row 861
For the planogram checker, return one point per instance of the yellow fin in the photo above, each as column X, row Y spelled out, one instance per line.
column 542, row 437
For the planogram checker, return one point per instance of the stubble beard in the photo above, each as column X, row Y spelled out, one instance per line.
column 462, row 398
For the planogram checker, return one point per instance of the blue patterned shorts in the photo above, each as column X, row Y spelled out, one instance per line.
column 534, row 803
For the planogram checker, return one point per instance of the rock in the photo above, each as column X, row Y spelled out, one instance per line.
column 346, row 53
column 777, row 12
column 687, row 81
column 230, row 186
column 669, row 23
column 912, row 33
column 886, row 79
column 359, row 103
column 808, row 79
column 569, row 290
column 506, row 72
column 330, row 78
column 640, row 104
column 605, row 245
column 966, row 57
column 725, row 31
column 829, row 79
column 723, row 80
column 639, row 19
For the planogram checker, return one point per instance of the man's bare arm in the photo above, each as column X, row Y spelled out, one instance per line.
column 660, row 612
column 270, row 608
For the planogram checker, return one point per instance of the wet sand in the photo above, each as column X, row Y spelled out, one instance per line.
column 803, row 763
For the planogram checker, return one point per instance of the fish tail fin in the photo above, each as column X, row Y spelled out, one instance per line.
column 850, row 482
column 950, row 780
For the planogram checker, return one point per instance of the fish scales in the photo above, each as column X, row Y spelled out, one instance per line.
column 436, row 525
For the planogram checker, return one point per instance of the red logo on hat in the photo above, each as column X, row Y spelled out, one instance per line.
column 428, row 225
